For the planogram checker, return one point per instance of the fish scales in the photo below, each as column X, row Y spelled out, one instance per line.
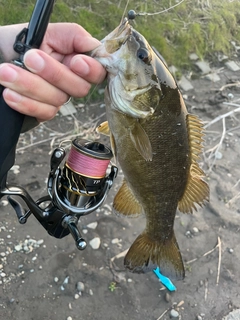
column 150, row 136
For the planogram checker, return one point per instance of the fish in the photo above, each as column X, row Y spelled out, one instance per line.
column 157, row 144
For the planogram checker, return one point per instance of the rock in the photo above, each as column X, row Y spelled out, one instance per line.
column 68, row 109
column 173, row 69
column 167, row 297
column 174, row 314
column 203, row 66
column 115, row 241
column 195, row 230
column 185, row 84
column 95, row 243
column 231, row 65
column 234, row 315
column 193, row 57
column 230, row 250
column 80, row 286
column 92, row 225
column 90, row 292
column 214, row 77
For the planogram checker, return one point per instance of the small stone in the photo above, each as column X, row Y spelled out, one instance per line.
column 214, row 77
column 185, row 84
column 80, row 286
column 69, row 318
column 76, row 296
column 95, row 243
column 3, row 274
column 167, row 297
column 68, row 109
column 56, row 279
column 193, row 56
column 218, row 155
column 2, row 254
column 115, row 241
column 230, row 250
column 39, row 242
column 4, row 203
column 203, row 66
column 195, row 230
column 90, row 292
column 199, row 317
column 92, row 225
column 129, row 280
column 201, row 283
column 231, row 65
column 174, row 314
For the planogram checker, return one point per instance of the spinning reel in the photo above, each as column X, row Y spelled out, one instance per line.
column 75, row 190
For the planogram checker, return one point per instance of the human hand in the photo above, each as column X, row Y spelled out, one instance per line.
column 58, row 71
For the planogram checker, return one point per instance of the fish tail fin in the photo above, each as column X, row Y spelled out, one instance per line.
column 146, row 255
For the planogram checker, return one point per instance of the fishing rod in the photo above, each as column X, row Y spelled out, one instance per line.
column 78, row 182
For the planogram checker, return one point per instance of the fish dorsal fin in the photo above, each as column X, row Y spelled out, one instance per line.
column 197, row 190
column 125, row 202
column 141, row 141
column 103, row 128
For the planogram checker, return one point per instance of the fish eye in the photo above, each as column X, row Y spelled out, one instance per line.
column 143, row 55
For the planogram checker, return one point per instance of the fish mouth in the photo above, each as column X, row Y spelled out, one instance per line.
column 113, row 41
column 117, row 37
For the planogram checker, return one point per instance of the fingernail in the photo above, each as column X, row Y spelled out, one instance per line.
column 79, row 66
column 7, row 74
column 12, row 96
column 33, row 61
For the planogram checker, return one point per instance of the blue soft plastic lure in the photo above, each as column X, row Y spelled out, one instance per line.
column 165, row 281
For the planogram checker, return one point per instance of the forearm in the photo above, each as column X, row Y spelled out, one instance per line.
column 7, row 38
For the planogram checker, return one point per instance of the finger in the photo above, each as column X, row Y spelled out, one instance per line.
column 57, row 73
column 25, row 105
column 66, row 38
column 88, row 68
column 30, row 85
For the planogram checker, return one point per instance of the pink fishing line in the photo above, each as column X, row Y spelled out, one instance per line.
column 85, row 165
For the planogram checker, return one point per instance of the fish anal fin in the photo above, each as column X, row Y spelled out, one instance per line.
column 125, row 202
column 141, row 141
column 146, row 254
column 196, row 192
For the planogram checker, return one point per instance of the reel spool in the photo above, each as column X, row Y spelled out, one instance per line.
column 84, row 172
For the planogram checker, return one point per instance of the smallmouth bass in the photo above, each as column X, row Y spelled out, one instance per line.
column 157, row 144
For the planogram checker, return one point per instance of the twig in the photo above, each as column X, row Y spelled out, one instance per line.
column 163, row 314
column 204, row 255
column 235, row 84
column 219, row 258
column 225, row 115
column 206, row 290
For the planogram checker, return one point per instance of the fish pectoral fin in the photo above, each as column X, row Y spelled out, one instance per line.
column 196, row 192
column 103, row 128
column 141, row 141
column 147, row 254
column 125, row 203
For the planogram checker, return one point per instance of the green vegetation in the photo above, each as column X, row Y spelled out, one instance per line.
column 203, row 26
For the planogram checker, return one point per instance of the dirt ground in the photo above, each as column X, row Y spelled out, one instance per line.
column 43, row 282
